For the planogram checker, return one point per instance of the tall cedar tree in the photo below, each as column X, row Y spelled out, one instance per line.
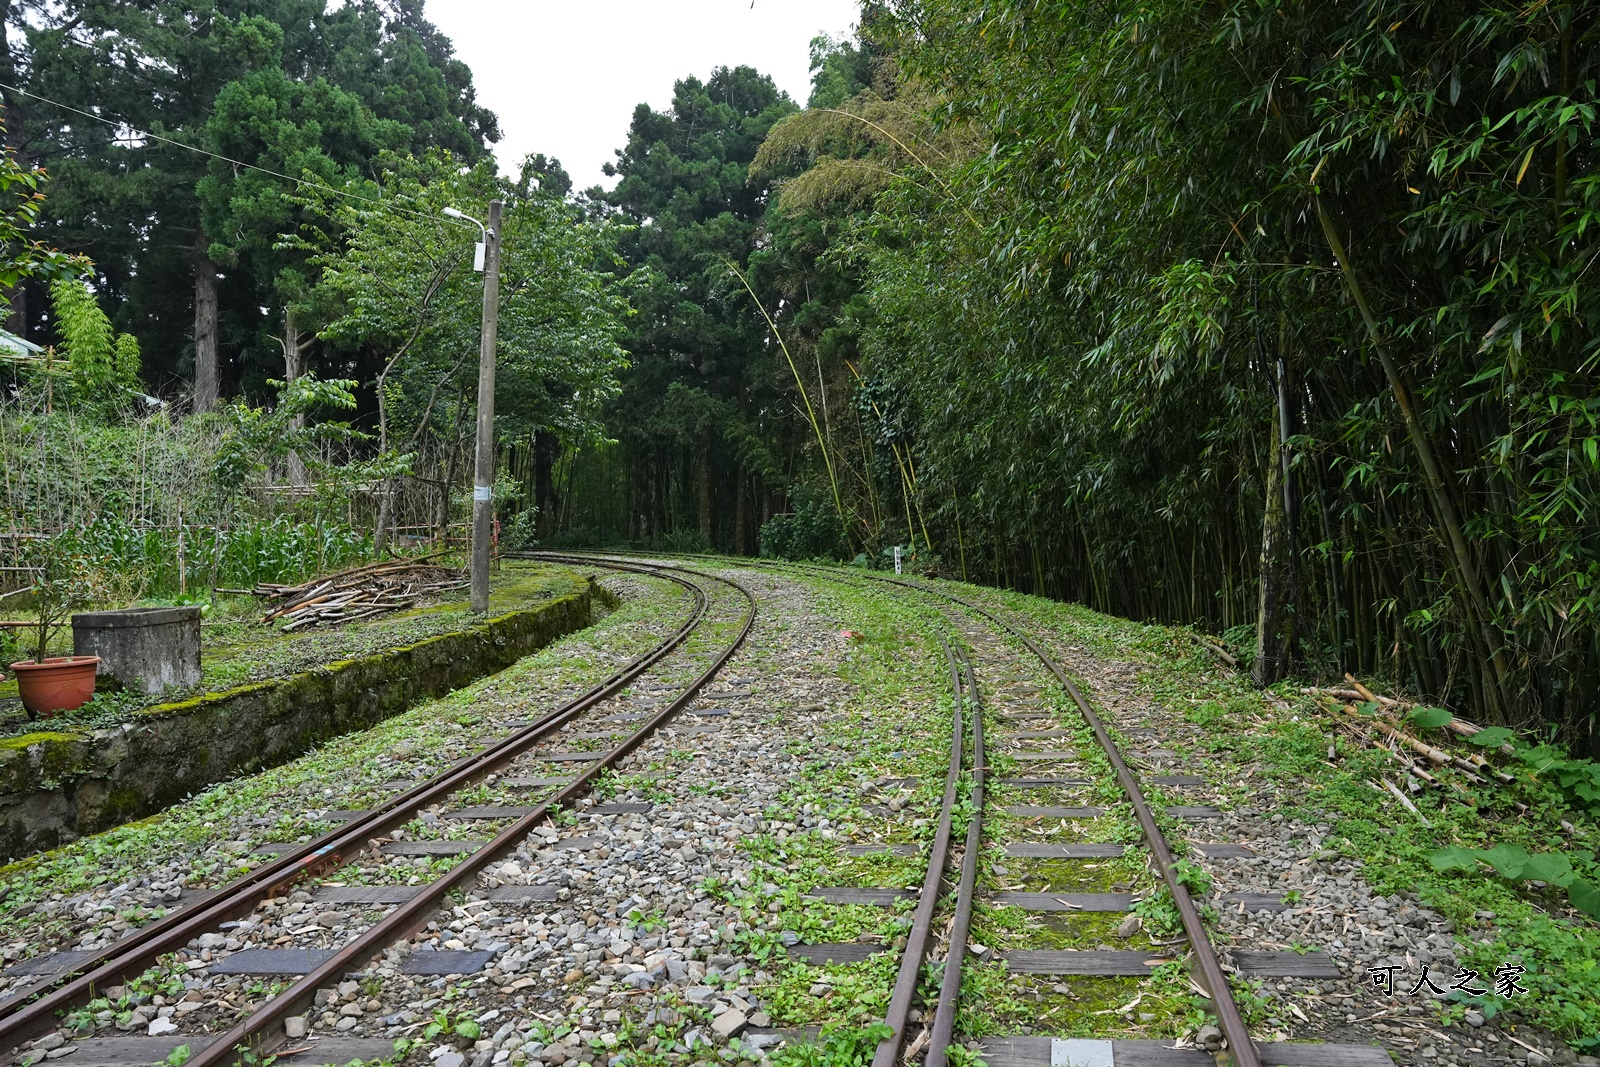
column 698, row 345
column 183, row 245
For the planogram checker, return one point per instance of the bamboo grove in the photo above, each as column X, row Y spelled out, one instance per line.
column 1273, row 317
column 1273, row 314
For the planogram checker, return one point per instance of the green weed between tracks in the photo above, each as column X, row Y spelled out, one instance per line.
column 896, row 726
column 904, row 731
column 1495, row 920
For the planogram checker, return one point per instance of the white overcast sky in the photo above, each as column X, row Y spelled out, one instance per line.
column 564, row 77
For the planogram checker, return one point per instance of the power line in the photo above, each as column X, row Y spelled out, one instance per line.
column 217, row 155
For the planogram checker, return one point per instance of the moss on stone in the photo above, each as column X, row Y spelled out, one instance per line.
column 182, row 747
column 41, row 738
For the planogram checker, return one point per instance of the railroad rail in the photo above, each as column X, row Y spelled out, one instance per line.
column 1212, row 978
column 1241, row 1050
column 27, row 1015
column 938, row 917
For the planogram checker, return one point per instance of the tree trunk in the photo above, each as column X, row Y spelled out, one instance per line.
column 380, row 532
column 17, row 315
column 1275, row 619
column 294, row 352
column 703, row 474
column 15, row 140
column 206, row 390
column 441, row 523
column 544, row 486
column 741, row 517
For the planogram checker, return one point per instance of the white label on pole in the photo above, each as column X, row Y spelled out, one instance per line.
column 897, row 559
column 482, row 492
column 479, row 250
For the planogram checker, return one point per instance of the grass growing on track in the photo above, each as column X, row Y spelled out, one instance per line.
column 843, row 997
column 997, row 1003
column 331, row 777
column 897, row 726
column 1249, row 732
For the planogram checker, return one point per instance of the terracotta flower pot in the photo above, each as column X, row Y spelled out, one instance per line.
column 61, row 683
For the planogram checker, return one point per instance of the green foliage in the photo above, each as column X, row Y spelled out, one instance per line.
column 843, row 1046
column 403, row 281
column 1084, row 267
column 1577, row 778
column 1193, row 877
column 446, row 1022
column 21, row 206
column 86, row 334
column 130, row 496
column 1430, row 718
column 1492, row 737
column 1160, row 915
column 694, row 415
column 256, row 436
column 64, row 580
column 840, row 68
column 811, row 531
column 104, row 364
column 306, row 88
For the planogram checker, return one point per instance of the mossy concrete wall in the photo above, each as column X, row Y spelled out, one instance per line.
column 55, row 787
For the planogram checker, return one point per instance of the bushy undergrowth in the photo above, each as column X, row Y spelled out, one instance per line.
column 811, row 531
column 160, row 505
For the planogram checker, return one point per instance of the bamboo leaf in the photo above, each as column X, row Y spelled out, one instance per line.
column 1525, row 161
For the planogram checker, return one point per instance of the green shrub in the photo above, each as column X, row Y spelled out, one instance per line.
column 811, row 531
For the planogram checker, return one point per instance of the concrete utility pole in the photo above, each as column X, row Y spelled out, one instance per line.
column 483, row 468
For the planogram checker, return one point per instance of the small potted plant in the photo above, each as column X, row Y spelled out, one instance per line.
column 63, row 582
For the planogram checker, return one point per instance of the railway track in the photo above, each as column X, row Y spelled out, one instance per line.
column 379, row 834
column 975, row 626
column 992, row 720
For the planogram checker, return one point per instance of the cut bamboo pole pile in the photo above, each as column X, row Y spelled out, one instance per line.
column 1383, row 732
column 358, row 593
column 1471, row 764
column 1213, row 646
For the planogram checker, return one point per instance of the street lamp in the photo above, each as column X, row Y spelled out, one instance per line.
column 481, row 247
column 487, row 260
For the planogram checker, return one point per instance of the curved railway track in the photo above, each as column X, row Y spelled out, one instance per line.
column 939, row 1025
column 920, row 1024
column 37, row 1010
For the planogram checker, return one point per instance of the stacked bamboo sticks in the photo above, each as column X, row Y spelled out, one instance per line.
column 357, row 593
column 1419, row 758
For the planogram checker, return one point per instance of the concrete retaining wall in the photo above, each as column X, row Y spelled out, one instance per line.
column 55, row 787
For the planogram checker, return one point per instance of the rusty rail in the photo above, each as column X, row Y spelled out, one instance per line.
column 944, row 1016
column 416, row 912
column 1212, row 977
column 905, row 985
column 25, row 1017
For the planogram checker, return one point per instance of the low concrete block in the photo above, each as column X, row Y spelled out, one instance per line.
column 147, row 649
